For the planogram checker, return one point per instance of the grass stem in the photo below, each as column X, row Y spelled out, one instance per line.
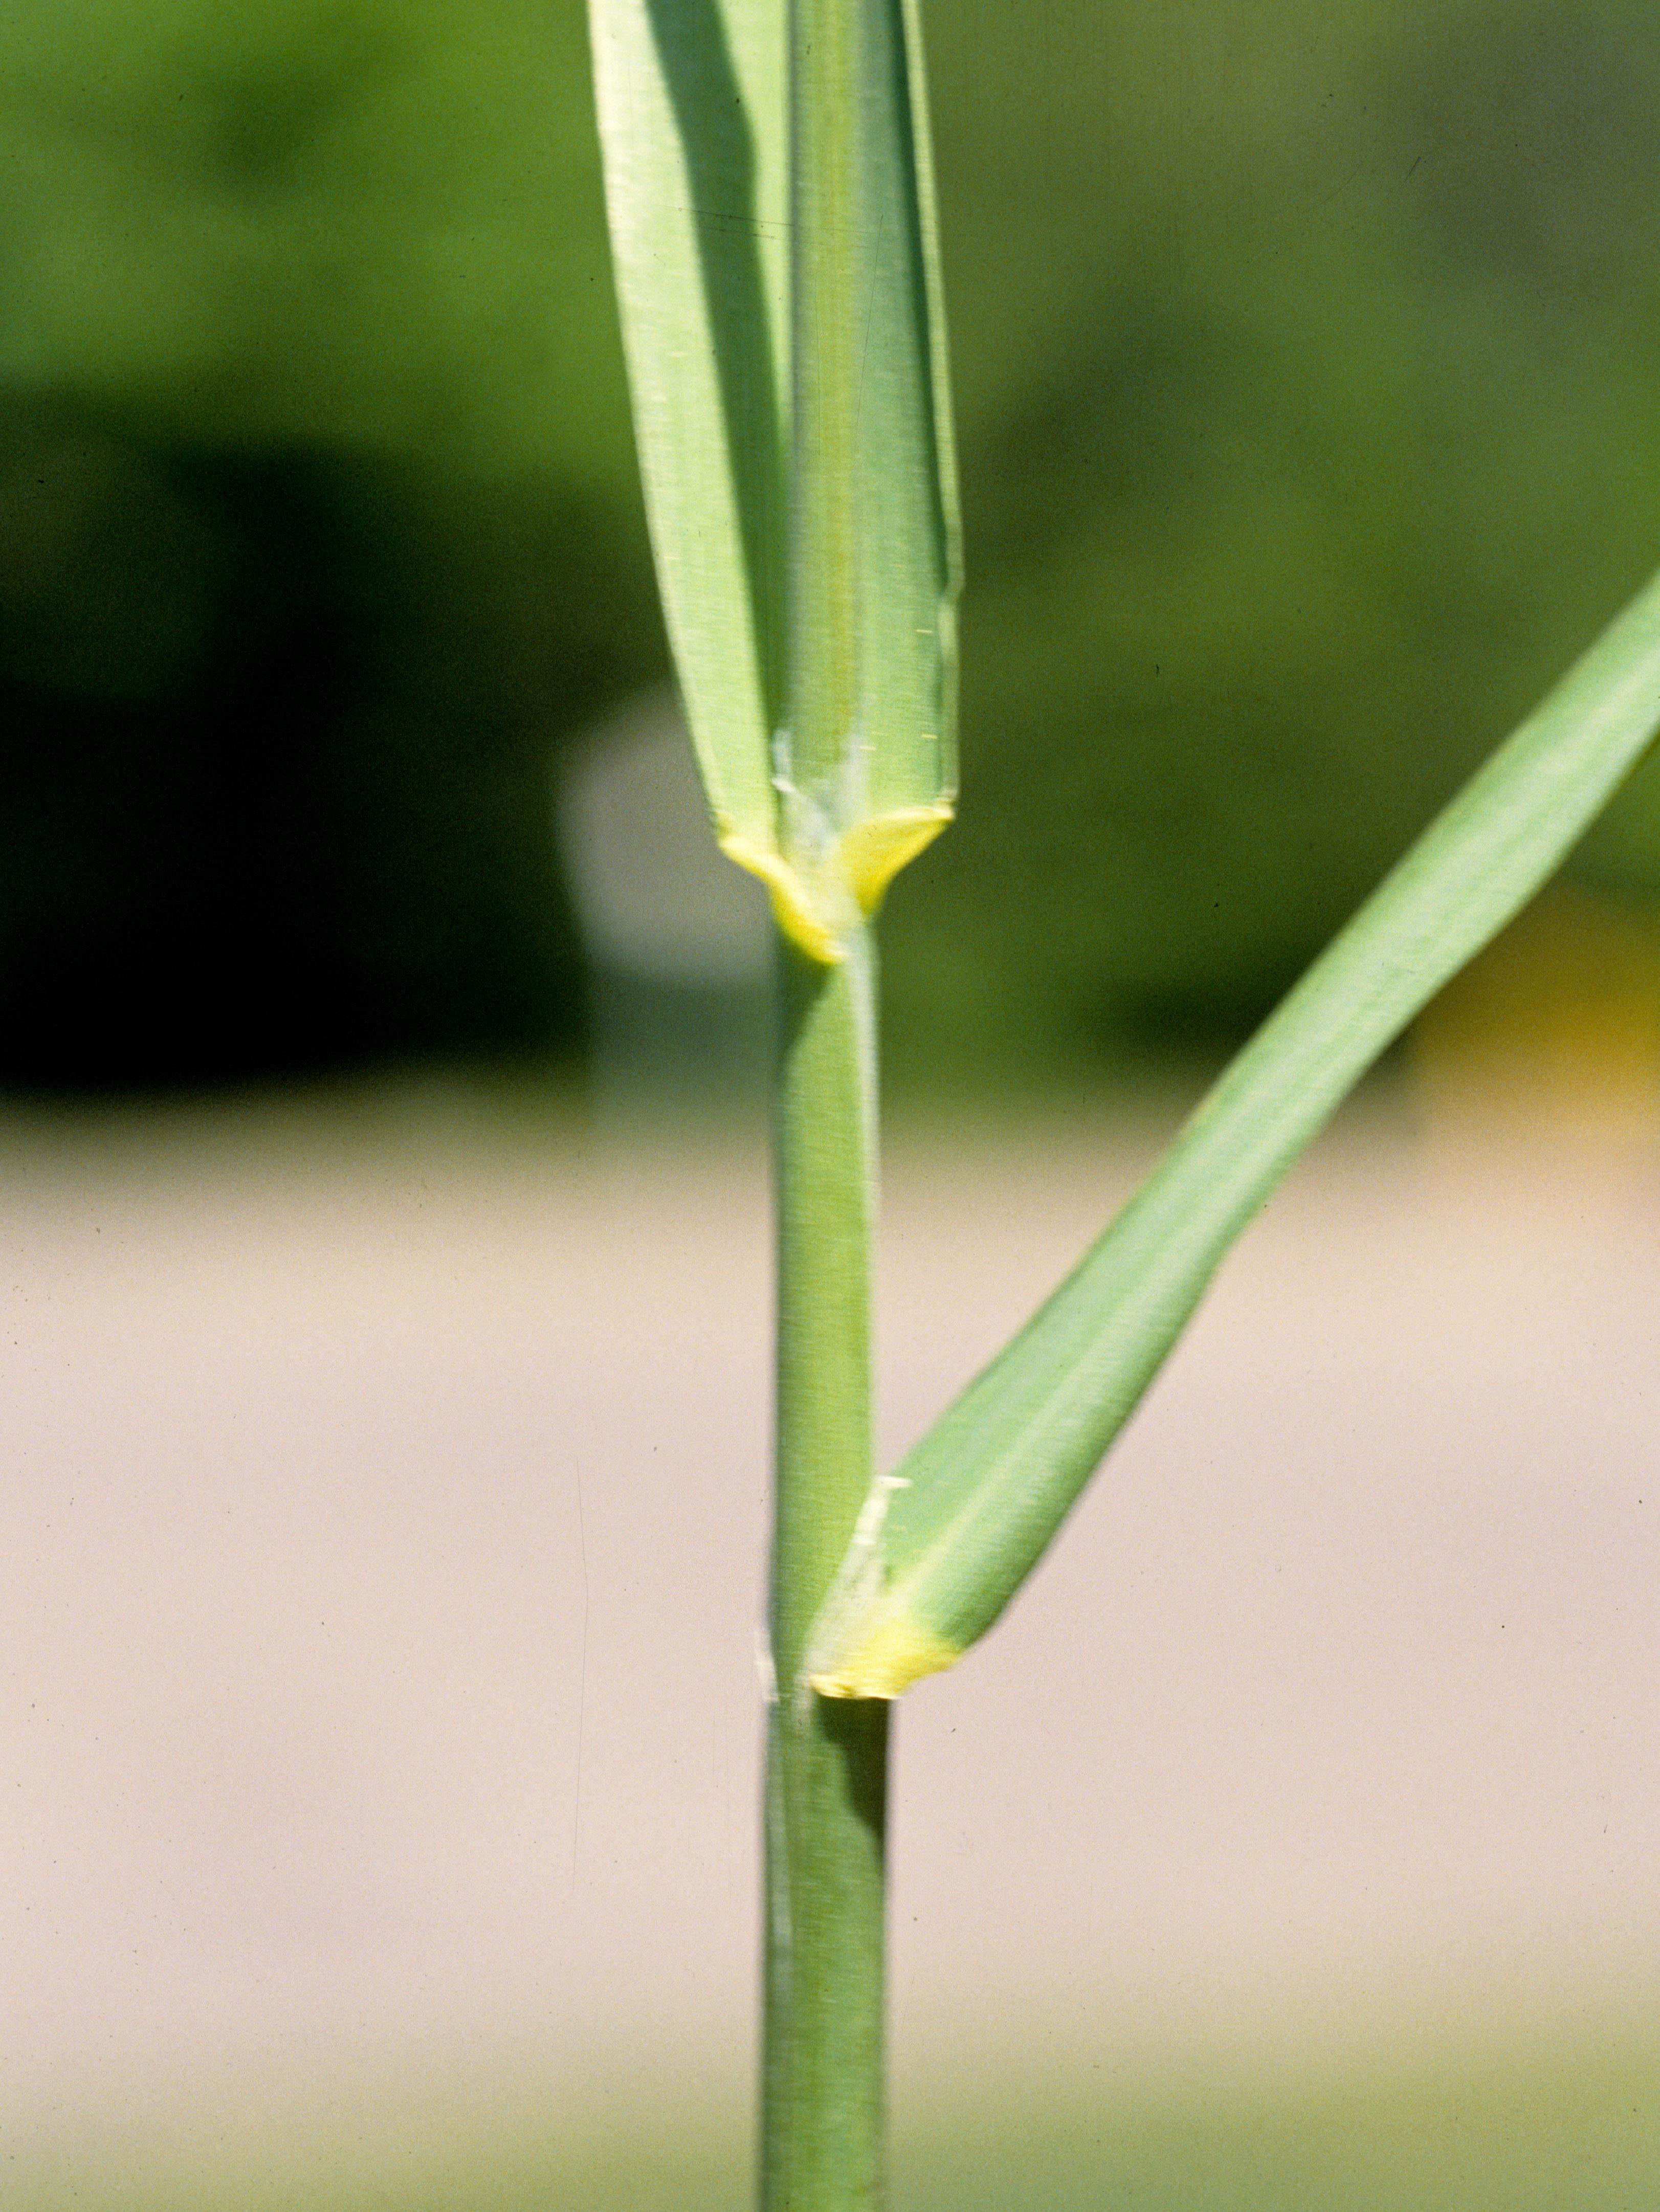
column 827, row 1761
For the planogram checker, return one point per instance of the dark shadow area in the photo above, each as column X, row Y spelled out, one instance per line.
column 276, row 740
column 857, row 1727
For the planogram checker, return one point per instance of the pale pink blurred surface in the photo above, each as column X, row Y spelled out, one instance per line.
column 383, row 1520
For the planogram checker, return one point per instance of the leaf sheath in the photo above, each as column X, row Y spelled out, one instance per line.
column 778, row 279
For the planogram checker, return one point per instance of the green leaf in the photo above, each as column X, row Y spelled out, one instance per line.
column 943, row 1543
column 791, row 421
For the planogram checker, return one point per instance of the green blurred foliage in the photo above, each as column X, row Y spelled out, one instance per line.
column 318, row 526
column 1575, row 2129
column 371, row 225
column 1309, row 400
column 1310, row 397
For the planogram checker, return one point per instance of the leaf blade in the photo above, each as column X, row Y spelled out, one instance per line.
column 694, row 128
column 947, row 1539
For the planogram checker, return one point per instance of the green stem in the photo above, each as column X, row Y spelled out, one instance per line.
column 827, row 1761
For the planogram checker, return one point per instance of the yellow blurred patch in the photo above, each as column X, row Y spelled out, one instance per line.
column 1554, row 1028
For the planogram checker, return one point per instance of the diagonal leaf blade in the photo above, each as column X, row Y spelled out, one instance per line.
column 943, row 1543
column 770, row 196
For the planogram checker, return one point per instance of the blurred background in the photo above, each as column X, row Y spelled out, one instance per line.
column 381, row 1054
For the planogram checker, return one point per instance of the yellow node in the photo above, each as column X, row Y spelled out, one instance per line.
column 872, row 853
column 858, row 867
column 792, row 904
column 896, row 1653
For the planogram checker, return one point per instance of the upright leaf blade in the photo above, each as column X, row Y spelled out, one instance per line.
column 824, row 788
column 693, row 105
column 945, row 1542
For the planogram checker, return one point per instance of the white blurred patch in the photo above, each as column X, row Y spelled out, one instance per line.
column 655, row 897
